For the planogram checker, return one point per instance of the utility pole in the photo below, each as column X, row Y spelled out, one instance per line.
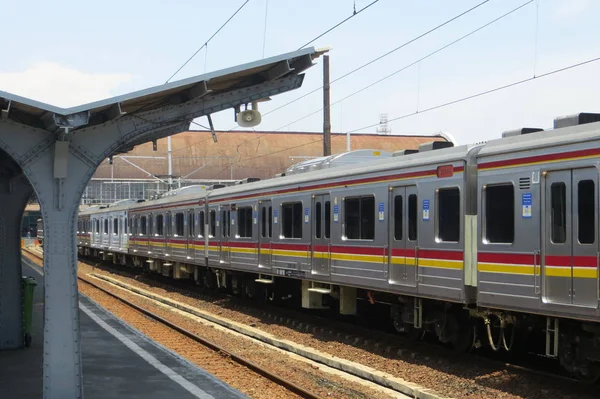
column 326, row 108
column 169, row 163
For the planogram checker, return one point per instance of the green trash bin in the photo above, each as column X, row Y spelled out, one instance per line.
column 28, row 286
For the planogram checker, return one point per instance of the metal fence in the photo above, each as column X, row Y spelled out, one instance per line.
column 101, row 191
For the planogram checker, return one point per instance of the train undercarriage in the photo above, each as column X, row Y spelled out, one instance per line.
column 574, row 344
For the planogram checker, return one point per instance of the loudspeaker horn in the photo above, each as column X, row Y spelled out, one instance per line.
column 249, row 117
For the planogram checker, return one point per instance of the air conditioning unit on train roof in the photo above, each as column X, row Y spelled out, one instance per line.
column 520, row 132
column 435, row 145
column 404, row 152
column 332, row 161
column 577, row 119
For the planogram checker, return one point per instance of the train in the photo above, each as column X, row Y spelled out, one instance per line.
column 493, row 242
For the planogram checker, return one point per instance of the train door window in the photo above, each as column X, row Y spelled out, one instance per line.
column 144, row 226
column 270, row 217
column 499, row 224
column 213, row 223
column 586, row 212
column 558, row 209
column 201, row 224
column 291, row 219
column 448, row 214
column 115, row 226
column 105, row 226
column 398, row 214
column 244, row 215
column 191, row 224
column 179, row 228
column 160, row 225
column 327, row 219
column 412, row 217
column 126, row 226
column 263, row 222
column 359, row 218
column 225, row 223
column 318, row 220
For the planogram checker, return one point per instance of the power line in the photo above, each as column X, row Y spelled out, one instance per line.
column 382, row 56
column 370, row 62
column 354, row 14
column 206, row 42
column 411, row 64
column 513, row 84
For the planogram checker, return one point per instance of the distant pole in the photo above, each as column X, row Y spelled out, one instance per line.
column 326, row 108
column 170, row 163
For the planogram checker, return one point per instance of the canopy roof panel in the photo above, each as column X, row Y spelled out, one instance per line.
column 35, row 113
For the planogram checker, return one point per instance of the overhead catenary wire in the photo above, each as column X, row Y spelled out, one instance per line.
column 414, row 39
column 417, row 62
column 462, row 99
column 378, row 58
column 206, row 42
column 483, row 93
column 354, row 14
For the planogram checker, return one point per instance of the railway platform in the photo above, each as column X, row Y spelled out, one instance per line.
column 118, row 361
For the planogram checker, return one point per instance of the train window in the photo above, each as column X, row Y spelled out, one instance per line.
column 160, row 225
column 270, row 217
column 327, row 219
column 318, row 220
column 398, row 210
column 263, row 222
column 291, row 220
column 448, row 214
column 558, row 209
column 201, row 224
column 213, row 223
column 244, row 216
column 115, row 226
column 412, row 217
column 105, row 226
column 359, row 218
column 126, row 226
column 586, row 212
column 179, row 227
column 225, row 223
column 499, row 225
column 143, row 226
column 191, row 224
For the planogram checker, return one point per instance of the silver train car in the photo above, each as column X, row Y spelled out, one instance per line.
column 498, row 239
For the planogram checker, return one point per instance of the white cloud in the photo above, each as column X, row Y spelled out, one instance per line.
column 61, row 86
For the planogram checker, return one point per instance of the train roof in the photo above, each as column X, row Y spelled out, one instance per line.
column 568, row 130
column 404, row 161
column 184, row 194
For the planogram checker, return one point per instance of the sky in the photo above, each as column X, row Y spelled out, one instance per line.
column 69, row 52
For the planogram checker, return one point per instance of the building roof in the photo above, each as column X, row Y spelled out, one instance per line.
column 241, row 154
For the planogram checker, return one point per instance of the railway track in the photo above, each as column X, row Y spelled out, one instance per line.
column 377, row 342
column 296, row 389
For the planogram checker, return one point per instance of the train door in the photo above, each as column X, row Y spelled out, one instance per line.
column 265, row 234
column 570, row 257
column 191, row 234
column 402, row 233
column 321, row 241
column 226, row 220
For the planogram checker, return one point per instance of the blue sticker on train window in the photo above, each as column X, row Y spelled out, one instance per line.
column 381, row 211
column 306, row 213
column 425, row 209
column 336, row 213
column 526, row 203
